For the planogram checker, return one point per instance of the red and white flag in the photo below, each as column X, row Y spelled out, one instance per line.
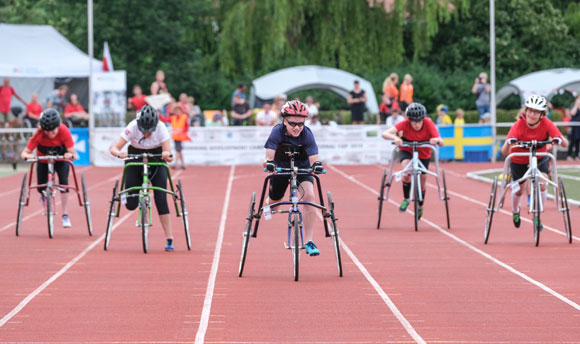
column 107, row 61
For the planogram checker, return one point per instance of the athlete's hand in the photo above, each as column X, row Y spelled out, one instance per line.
column 317, row 167
column 27, row 156
column 271, row 165
column 397, row 141
column 166, row 156
column 511, row 141
column 557, row 140
column 436, row 141
column 69, row 156
column 122, row 155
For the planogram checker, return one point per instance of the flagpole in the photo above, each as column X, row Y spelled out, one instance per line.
column 91, row 115
column 492, row 77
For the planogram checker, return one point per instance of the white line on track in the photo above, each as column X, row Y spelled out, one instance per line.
column 203, row 322
column 48, row 282
column 471, row 247
column 13, row 223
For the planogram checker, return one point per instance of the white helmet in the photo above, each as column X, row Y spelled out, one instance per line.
column 537, row 103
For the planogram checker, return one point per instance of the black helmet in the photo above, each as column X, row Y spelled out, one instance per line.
column 49, row 119
column 416, row 112
column 147, row 119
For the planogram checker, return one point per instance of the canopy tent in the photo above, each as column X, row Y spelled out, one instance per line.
column 545, row 83
column 33, row 56
column 293, row 79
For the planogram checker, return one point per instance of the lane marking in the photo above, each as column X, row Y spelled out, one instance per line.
column 203, row 322
column 473, row 248
column 13, row 223
column 48, row 282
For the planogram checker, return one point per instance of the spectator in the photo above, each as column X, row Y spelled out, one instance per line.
column 240, row 92
column 57, row 99
column 406, row 96
column 179, row 133
column 158, row 86
column 387, row 106
column 279, row 102
column 459, row 117
column 390, row 86
column 33, row 111
column 313, row 121
column 482, row 91
column 184, row 103
column 357, row 99
column 75, row 112
column 267, row 117
column 395, row 118
column 485, row 118
column 574, row 149
column 442, row 115
column 195, row 112
column 312, row 108
column 138, row 100
column 218, row 120
column 7, row 118
column 240, row 111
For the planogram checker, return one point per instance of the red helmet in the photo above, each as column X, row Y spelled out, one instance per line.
column 294, row 108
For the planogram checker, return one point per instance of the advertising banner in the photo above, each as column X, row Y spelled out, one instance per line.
column 109, row 102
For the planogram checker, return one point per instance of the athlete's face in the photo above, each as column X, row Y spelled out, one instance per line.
column 533, row 117
column 147, row 135
column 417, row 125
column 294, row 125
column 52, row 133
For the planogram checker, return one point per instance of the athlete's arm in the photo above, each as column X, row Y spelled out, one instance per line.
column 27, row 154
column 116, row 148
column 391, row 134
column 166, row 151
column 270, row 153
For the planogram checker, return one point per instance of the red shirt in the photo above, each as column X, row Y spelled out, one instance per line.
column 138, row 102
column 544, row 131
column 74, row 108
column 427, row 132
column 62, row 138
column 6, row 94
column 35, row 109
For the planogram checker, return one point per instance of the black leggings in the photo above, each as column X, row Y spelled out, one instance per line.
column 60, row 167
column 574, row 147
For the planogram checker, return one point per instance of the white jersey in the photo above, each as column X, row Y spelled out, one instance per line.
column 135, row 137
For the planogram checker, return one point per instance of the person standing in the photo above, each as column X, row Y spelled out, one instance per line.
column 158, row 86
column 7, row 118
column 57, row 99
column 443, row 117
column 357, row 100
column 406, row 92
column 179, row 133
column 574, row 149
column 482, row 91
column 240, row 92
column 460, row 117
column 138, row 100
column 240, row 111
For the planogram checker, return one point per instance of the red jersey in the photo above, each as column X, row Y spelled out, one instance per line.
column 35, row 109
column 6, row 94
column 427, row 132
column 59, row 144
column 74, row 108
column 138, row 102
column 544, row 131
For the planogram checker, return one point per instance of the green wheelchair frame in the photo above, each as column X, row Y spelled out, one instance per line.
column 145, row 213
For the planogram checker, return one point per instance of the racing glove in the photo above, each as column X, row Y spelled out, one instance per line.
column 271, row 165
column 317, row 167
column 557, row 140
column 511, row 140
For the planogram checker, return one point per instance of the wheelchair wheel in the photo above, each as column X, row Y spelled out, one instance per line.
column 144, row 213
column 296, row 244
column 381, row 197
column 416, row 200
column 184, row 214
column 21, row 204
column 334, row 234
column 246, row 234
column 490, row 210
column 566, row 210
column 87, row 205
column 536, row 211
column 111, row 216
column 446, row 198
column 49, row 211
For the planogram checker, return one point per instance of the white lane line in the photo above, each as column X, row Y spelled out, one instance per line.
column 386, row 299
column 203, row 322
column 475, row 249
column 48, row 282
column 384, row 296
column 13, row 223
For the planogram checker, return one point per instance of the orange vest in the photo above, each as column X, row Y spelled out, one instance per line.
column 179, row 128
column 407, row 93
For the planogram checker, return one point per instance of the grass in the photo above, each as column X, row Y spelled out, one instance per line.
column 7, row 170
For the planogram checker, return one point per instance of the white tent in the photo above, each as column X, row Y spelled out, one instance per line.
column 34, row 55
column 298, row 78
column 545, row 83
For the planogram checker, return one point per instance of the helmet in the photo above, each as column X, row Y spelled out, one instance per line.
column 49, row 119
column 294, row 108
column 147, row 119
column 537, row 103
column 415, row 112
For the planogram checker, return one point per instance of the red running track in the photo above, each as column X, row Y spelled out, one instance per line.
column 399, row 286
